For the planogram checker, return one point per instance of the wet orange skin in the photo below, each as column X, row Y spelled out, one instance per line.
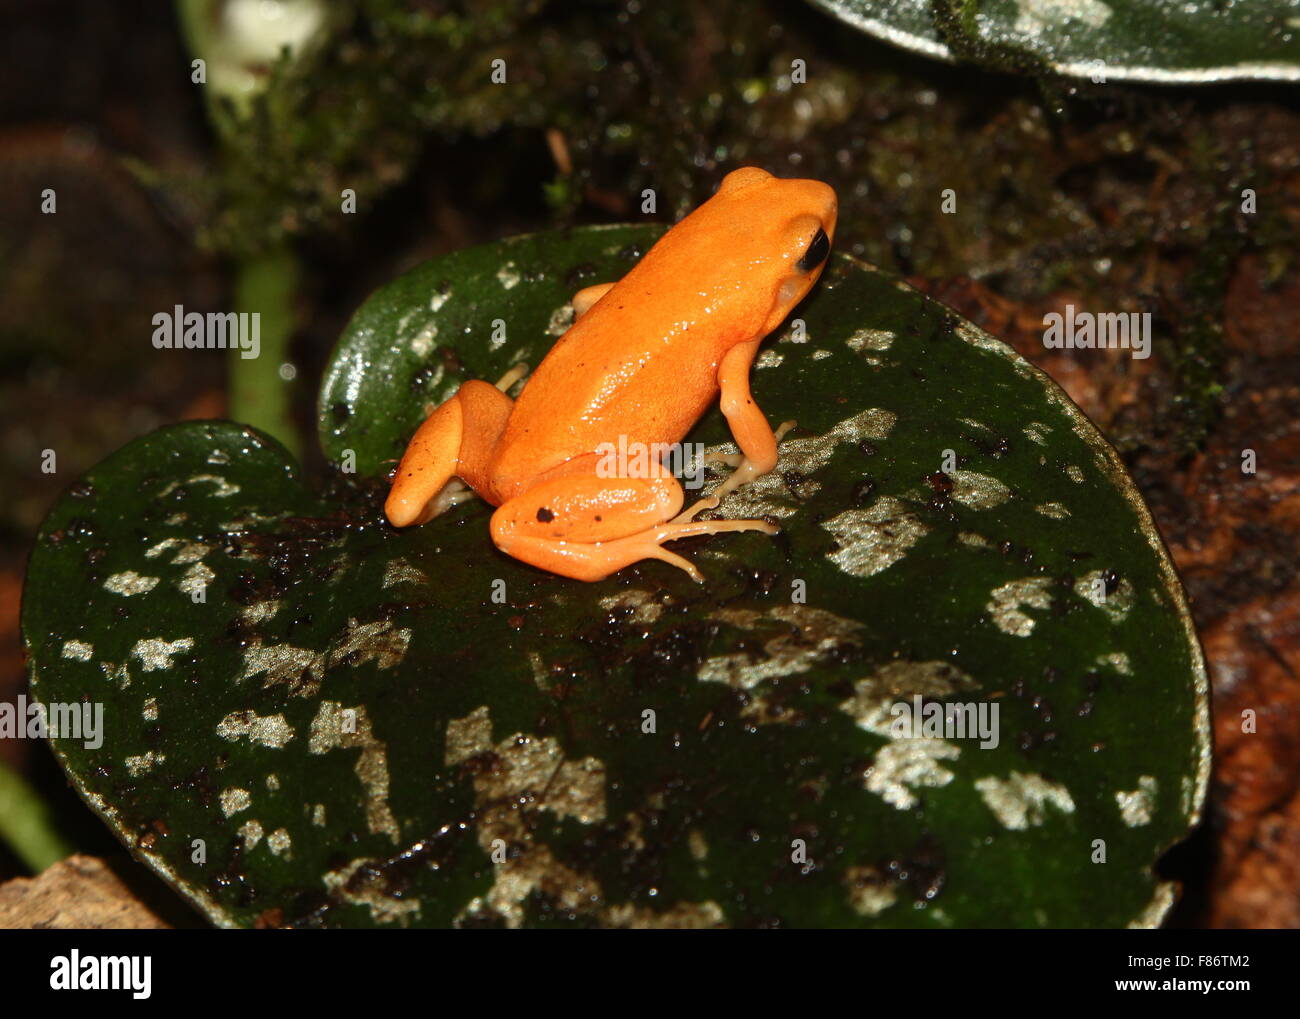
column 645, row 358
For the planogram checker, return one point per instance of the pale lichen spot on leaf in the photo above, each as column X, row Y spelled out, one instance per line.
column 527, row 764
column 251, row 832
column 870, row 339
column 114, row 673
column 806, row 636
column 267, row 730
column 142, row 764
column 526, row 770
column 466, row 737
column 399, row 571
column 908, row 764
column 1116, row 604
column 870, row 891
column 129, row 583
column 1021, row 801
column 1117, row 660
column 874, row 695
column 378, row 641
column 196, row 579
column 1054, row 510
column 561, row 320
column 978, row 491
column 541, row 675
column 1008, row 602
column 260, row 611
column 329, row 732
column 1137, row 806
column 155, row 550
column 508, row 276
column 362, row 883
column 155, row 653
column 641, row 606
column 769, row 495
column 221, row 488
column 190, row 552
column 234, row 799
column 280, row 843
column 301, row 669
column 904, row 764
column 422, row 347
column 681, row 916
column 875, row 538
column 1037, row 432
column 78, row 650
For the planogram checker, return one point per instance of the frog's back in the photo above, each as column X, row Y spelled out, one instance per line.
column 642, row 363
column 614, row 374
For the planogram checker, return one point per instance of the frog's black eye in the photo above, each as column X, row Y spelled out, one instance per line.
column 816, row 254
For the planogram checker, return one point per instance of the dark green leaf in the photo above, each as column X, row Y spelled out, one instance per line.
column 1188, row 41
column 517, row 727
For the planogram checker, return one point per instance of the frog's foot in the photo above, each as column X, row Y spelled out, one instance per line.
column 511, row 377
column 708, row 503
column 730, row 459
column 747, row 471
column 589, row 527
column 452, row 494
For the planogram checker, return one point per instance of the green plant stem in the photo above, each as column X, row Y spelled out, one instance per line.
column 26, row 825
column 266, row 284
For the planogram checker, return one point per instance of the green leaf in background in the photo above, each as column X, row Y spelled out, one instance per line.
column 1184, row 41
column 355, row 729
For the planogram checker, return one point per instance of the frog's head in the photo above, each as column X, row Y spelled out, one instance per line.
column 781, row 233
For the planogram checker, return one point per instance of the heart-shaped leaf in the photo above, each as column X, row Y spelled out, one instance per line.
column 1186, row 41
column 311, row 718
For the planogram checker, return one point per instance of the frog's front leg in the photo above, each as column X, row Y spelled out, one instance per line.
column 456, row 440
column 749, row 427
column 586, row 527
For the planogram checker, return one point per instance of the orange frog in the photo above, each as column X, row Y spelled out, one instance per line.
column 644, row 359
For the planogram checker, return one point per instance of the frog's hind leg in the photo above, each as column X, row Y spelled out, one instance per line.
column 587, row 527
column 455, row 441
